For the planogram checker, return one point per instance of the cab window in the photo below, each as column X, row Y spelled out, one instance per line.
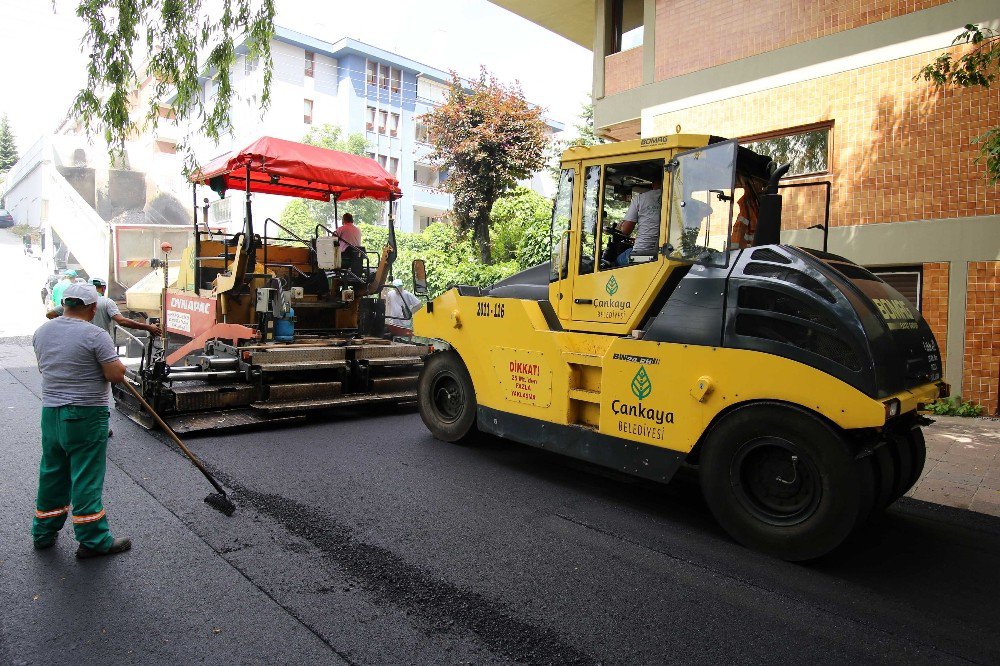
column 631, row 212
column 701, row 202
column 562, row 211
column 588, row 237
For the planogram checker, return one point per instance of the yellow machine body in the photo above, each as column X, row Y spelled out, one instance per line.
column 575, row 360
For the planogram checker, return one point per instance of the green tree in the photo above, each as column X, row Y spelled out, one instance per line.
column 521, row 222
column 977, row 68
column 807, row 152
column 8, row 149
column 363, row 210
column 298, row 219
column 176, row 42
column 585, row 136
column 487, row 137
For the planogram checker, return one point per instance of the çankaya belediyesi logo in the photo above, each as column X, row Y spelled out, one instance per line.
column 642, row 387
column 610, row 307
column 612, row 286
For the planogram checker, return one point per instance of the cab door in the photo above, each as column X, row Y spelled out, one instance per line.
column 565, row 210
column 609, row 287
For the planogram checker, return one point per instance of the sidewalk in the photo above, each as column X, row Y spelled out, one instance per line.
column 172, row 599
column 963, row 464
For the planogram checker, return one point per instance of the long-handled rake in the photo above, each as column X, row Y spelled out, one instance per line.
column 218, row 500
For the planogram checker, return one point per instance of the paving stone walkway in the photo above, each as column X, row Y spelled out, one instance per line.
column 963, row 464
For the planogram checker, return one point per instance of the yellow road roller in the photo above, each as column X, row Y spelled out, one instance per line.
column 671, row 328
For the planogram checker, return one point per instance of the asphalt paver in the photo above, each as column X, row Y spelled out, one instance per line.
column 375, row 543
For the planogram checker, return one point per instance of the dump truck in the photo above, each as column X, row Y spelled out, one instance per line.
column 789, row 378
column 260, row 329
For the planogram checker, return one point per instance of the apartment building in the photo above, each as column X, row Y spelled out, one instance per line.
column 358, row 87
column 830, row 86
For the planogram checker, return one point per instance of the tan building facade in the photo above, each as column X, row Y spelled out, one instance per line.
column 835, row 78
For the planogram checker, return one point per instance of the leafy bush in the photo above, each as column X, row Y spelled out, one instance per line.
column 521, row 228
column 450, row 258
column 954, row 406
column 520, row 240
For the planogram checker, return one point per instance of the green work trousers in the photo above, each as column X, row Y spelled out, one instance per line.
column 74, row 446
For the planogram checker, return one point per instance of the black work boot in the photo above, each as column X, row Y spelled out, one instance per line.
column 42, row 545
column 117, row 546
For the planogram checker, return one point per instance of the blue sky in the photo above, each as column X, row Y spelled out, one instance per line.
column 43, row 66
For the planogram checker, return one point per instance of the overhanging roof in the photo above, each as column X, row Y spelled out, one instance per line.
column 572, row 19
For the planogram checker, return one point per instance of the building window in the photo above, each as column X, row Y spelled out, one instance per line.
column 426, row 175
column 220, row 213
column 168, row 147
column 371, row 156
column 310, row 63
column 394, row 166
column 372, row 73
column 627, row 25
column 394, row 124
column 383, row 77
column 383, row 120
column 904, row 279
column 397, row 77
column 307, row 111
column 250, row 65
column 382, row 161
column 370, row 119
column 807, row 149
column 421, row 134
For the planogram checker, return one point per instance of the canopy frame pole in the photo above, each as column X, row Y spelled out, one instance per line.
column 336, row 215
column 392, row 233
column 197, row 239
column 251, row 245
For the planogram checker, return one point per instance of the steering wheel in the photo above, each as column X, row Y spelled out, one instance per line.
column 617, row 233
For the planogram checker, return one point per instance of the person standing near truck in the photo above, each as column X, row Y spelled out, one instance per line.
column 107, row 312
column 77, row 361
column 68, row 277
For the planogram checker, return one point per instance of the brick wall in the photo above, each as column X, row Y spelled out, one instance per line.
column 900, row 150
column 982, row 335
column 694, row 34
column 623, row 71
column 934, row 303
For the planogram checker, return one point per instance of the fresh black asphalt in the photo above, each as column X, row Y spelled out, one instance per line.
column 363, row 540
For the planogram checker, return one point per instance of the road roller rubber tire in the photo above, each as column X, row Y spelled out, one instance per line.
column 902, row 455
column 918, row 457
column 885, row 476
column 796, row 508
column 447, row 398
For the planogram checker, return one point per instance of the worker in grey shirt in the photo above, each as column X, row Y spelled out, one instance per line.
column 107, row 312
column 644, row 215
column 77, row 361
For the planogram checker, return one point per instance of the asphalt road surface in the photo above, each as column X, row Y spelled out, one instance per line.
column 363, row 540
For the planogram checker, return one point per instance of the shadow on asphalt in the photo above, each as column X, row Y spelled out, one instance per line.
column 920, row 559
column 935, row 559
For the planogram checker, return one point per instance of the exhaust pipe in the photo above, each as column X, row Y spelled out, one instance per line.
column 769, row 216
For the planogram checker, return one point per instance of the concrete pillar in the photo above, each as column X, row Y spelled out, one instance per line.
column 648, row 41
column 958, row 278
column 601, row 27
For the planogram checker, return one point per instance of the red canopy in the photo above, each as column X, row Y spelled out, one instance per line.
column 295, row 169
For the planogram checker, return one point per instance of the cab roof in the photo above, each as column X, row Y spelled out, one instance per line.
column 637, row 146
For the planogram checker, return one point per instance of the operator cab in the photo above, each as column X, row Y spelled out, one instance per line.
column 647, row 214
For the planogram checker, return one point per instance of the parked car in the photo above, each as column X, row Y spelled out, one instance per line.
column 6, row 219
